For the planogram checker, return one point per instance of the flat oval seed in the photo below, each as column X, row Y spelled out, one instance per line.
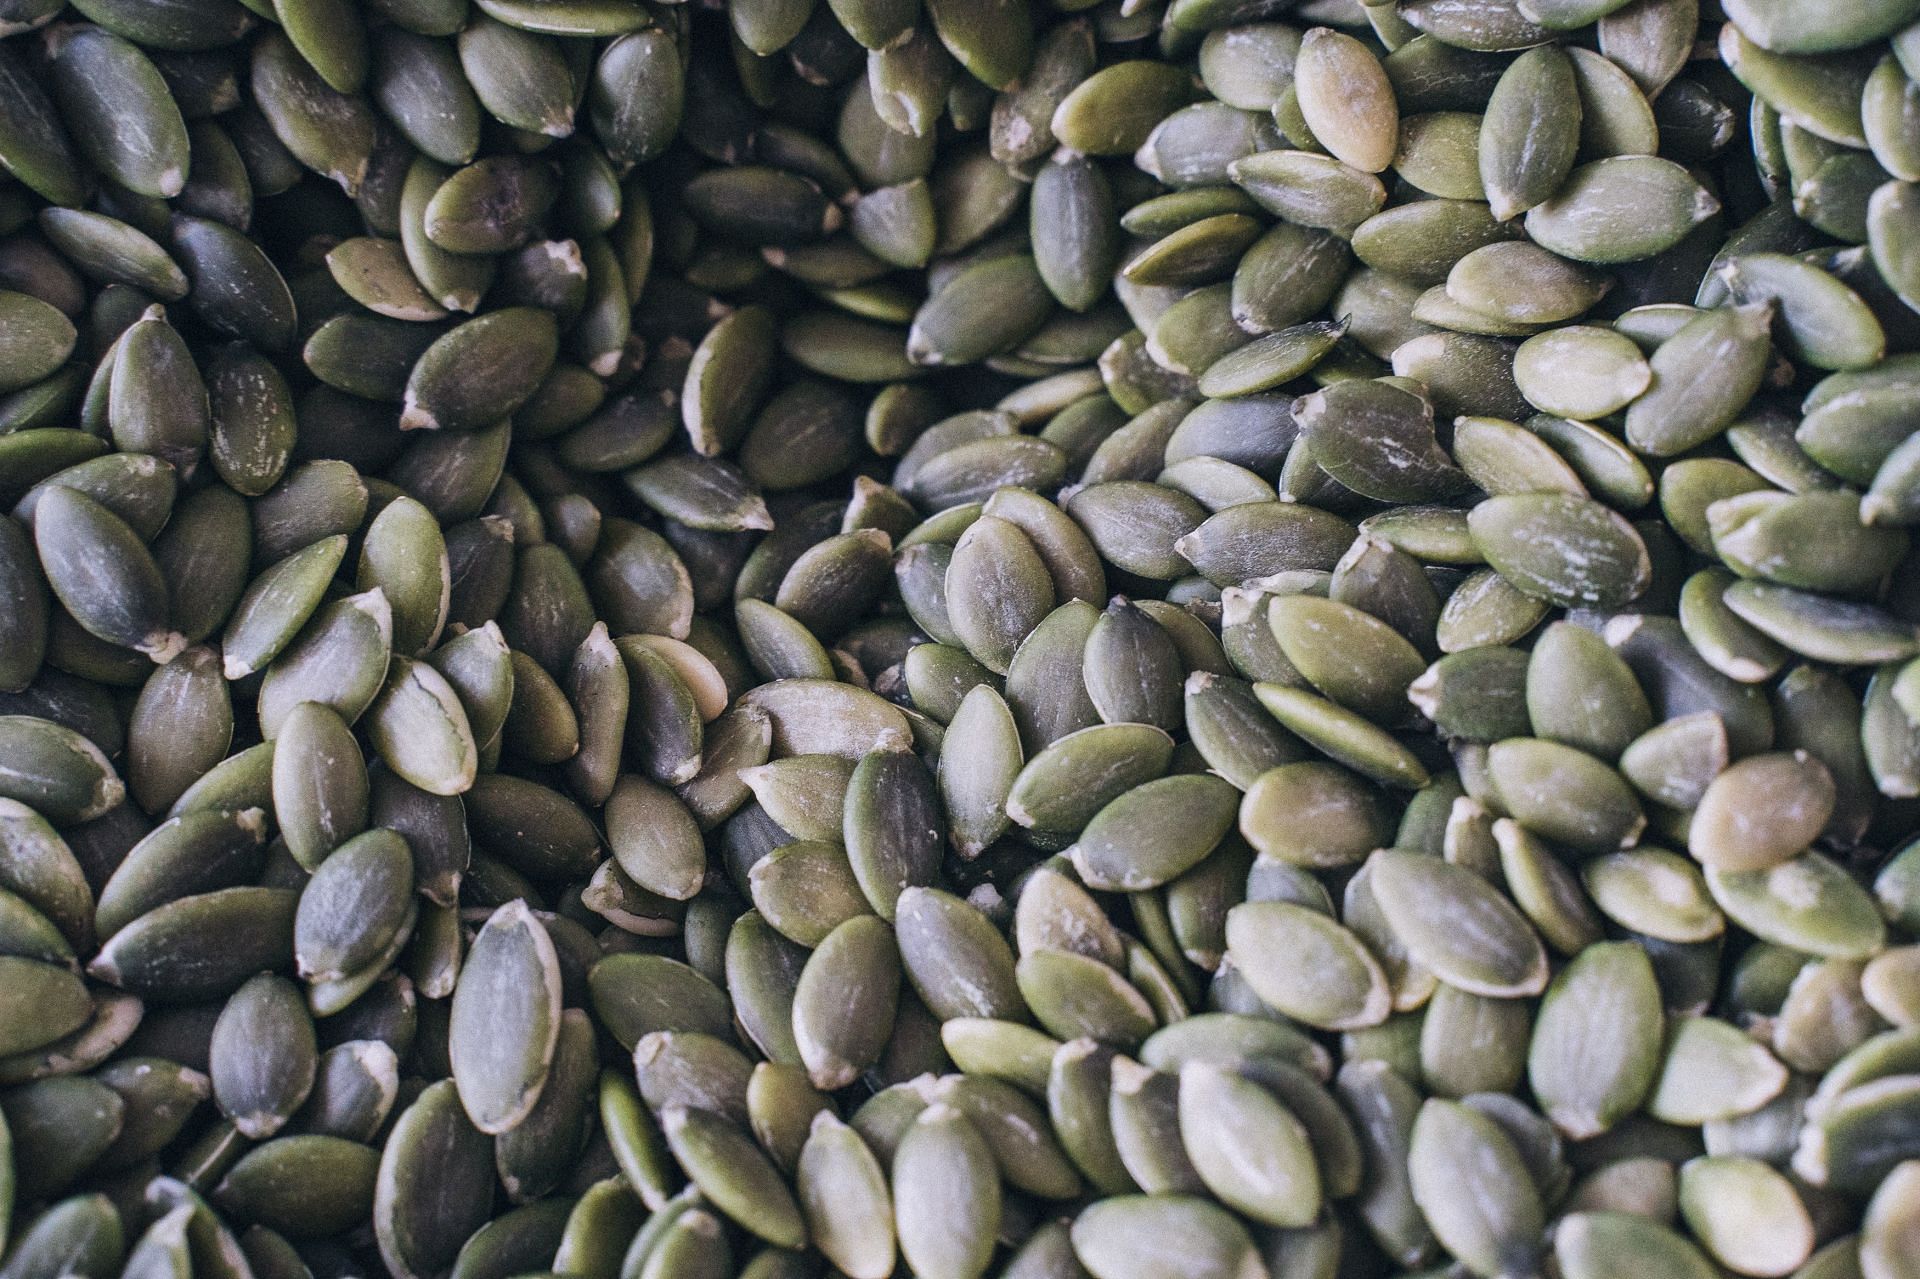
column 731, row 1171
column 201, row 849
column 142, row 142
column 1761, row 812
column 805, row 890
column 959, row 964
column 1594, row 1051
column 421, row 1219
column 1378, row 440
column 1808, row 903
column 975, row 782
column 276, row 604
column 817, row 716
column 1112, row 111
column 1077, row 997
column 353, row 907
column 1594, row 1245
column 1565, row 795
column 505, row 1019
column 1162, row 1237
column 1349, row 739
column 374, row 272
column 1501, row 1218
column 844, row 1004
column 1347, row 100
column 202, row 946
column 998, row 590
column 1155, row 832
column 983, row 310
column 846, row 1199
column 947, row 1195
column 1580, row 372
column 264, row 1056
column 1821, row 627
column 1531, row 131
column 103, row 574
column 1259, row 1160
column 339, row 659
column 1351, row 656
column 1307, row 966
column 43, row 1002
column 891, row 827
column 1312, row 190
column 307, row 1186
column 1620, row 209
column 1458, row 925
column 1889, row 1231
column 1063, row 786
column 1313, row 814
column 1566, row 549
column 1826, row 323
column 1779, row 27
column 1269, row 361
column 1717, row 1196
column 320, row 788
column 1655, row 893
column 637, row 94
column 516, row 345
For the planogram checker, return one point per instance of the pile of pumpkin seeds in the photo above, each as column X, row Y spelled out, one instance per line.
column 1147, row 639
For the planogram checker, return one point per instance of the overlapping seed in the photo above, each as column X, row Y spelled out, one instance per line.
column 1201, row 639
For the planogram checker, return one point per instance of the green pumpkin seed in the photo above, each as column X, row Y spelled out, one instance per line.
column 1715, row 1195
column 1450, row 1141
column 1594, row 1050
column 845, row 1000
column 1563, row 548
column 505, row 1020
column 1112, row 111
column 1156, row 1237
column 1593, row 1244
column 958, row 963
column 733, row 1173
column 264, row 1057
column 1819, row 626
column 845, row 1196
column 421, row 1222
column 1806, row 902
column 1458, row 925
